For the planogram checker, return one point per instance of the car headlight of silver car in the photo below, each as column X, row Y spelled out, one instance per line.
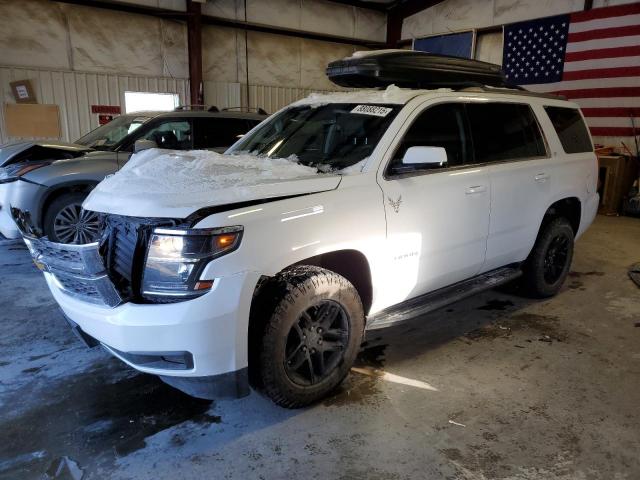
column 14, row 171
column 176, row 258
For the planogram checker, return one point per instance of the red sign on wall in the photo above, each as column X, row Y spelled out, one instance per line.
column 104, row 119
column 106, row 109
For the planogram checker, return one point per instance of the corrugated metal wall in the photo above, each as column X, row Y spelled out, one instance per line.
column 274, row 98
column 75, row 92
column 233, row 94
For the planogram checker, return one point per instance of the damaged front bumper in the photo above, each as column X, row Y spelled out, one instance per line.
column 198, row 346
column 77, row 270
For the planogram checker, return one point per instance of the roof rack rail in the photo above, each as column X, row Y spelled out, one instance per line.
column 511, row 90
column 200, row 108
column 259, row 110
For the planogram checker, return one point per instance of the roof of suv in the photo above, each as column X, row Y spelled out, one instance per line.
column 201, row 113
column 400, row 96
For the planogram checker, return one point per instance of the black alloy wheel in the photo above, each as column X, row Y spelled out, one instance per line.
column 316, row 343
column 555, row 259
column 549, row 262
column 306, row 329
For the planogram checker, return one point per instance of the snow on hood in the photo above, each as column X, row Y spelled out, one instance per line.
column 172, row 183
column 391, row 94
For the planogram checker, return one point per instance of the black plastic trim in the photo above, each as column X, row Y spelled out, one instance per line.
column 226, row 385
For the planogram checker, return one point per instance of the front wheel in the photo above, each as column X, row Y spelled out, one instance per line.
column 313, row 322
column 550, row 260
column 67, row 222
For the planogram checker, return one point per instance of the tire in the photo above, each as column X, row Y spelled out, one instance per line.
column 550, row 260
column 65, row 220
column 305, row 318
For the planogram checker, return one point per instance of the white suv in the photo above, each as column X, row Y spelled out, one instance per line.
column 340, row 213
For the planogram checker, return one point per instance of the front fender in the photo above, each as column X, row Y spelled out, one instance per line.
column 285, row 232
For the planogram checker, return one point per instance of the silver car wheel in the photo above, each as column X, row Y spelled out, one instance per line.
column 73, row 224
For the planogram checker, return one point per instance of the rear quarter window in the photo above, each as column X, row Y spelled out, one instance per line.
column 570, row 128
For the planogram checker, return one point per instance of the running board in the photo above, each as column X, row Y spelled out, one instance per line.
column 429, row 302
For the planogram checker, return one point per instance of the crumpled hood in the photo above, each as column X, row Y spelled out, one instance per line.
column 174, row 184
column 9, row 151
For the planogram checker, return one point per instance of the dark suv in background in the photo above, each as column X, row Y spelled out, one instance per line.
column 50, row 180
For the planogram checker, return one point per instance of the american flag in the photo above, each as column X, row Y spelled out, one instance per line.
column 590, row 57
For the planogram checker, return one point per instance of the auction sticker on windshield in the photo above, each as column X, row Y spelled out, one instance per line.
column 372, row 110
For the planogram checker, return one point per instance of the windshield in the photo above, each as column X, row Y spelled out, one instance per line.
column 107, row 136
column 330, row 137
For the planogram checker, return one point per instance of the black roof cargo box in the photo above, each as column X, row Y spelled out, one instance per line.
column 412, row 69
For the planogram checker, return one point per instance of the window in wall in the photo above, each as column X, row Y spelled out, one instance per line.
column 438, row 126
column 504, row 131
column 454, row 44
column 146, row 101
column 570, row 128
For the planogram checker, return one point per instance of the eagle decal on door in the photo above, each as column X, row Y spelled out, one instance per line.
column 395, row 204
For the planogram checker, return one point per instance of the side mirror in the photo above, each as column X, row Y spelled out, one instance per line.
column 427, row 156
column 143, row 145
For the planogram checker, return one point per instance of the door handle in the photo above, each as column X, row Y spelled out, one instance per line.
column 541, row 177
column 476, row 189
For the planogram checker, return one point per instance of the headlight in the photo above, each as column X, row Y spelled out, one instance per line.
column 14, row 171
column 176, row 258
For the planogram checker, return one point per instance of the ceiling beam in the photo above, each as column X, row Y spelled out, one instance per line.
column 289, row 32
column 223, row 22
column 380, row 7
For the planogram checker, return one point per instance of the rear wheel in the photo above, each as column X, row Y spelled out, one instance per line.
column 67, row 222
column 550, row 260
column 312, row 326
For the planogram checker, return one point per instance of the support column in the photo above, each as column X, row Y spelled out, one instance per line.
column 194, row 37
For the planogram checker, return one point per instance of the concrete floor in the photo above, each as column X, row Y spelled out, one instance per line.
column 511, row 389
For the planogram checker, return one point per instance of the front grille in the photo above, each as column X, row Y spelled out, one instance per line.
column 123, row 249
column 61, row 255
column 123, row 245
column 78, row 270
column 78, row 286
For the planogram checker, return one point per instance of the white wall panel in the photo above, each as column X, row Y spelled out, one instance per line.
column 456, row 15
column 510, row 11
column 489, row 47
column 33, row 33
column 271, row 98
column 328, row 17
column 75, row 92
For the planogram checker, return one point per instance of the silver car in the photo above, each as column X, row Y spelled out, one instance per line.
column 50, row 180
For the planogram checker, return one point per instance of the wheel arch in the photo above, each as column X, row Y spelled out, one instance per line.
column 57, row 191
column 569, row 208
column 349, row 263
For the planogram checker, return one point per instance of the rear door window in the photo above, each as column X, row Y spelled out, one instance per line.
column 570, row 128
column 219, row 132
column 504, row 131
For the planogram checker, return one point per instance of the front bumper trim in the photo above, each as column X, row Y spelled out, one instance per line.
column 214, row 387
